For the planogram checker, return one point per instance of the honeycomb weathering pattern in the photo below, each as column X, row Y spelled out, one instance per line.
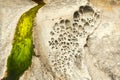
column 68, row 37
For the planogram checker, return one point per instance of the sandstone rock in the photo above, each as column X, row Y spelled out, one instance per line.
column 93, row 26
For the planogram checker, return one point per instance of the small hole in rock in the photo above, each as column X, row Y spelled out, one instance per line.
column 76, row 14
column 81, row 9
column 88, row 9
column 62, row 21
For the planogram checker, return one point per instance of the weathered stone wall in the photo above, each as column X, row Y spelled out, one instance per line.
column 98, row 56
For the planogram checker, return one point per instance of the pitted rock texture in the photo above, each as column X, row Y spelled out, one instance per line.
column 105, row 50
column 60, row 43
column 68, row 37
column 73, row 40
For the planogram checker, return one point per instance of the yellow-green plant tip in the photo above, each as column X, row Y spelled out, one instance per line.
column 20, row 57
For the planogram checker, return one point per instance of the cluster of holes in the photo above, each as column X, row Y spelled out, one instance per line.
column 65, row 37
column 86, row 16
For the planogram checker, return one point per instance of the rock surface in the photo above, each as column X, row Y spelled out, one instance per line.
column 99, row 42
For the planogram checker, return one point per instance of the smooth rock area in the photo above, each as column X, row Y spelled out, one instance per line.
column 94, row 53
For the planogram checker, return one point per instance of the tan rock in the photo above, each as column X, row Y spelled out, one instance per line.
column 94, row 53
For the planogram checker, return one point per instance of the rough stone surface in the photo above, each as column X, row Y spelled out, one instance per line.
column 73, row 39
